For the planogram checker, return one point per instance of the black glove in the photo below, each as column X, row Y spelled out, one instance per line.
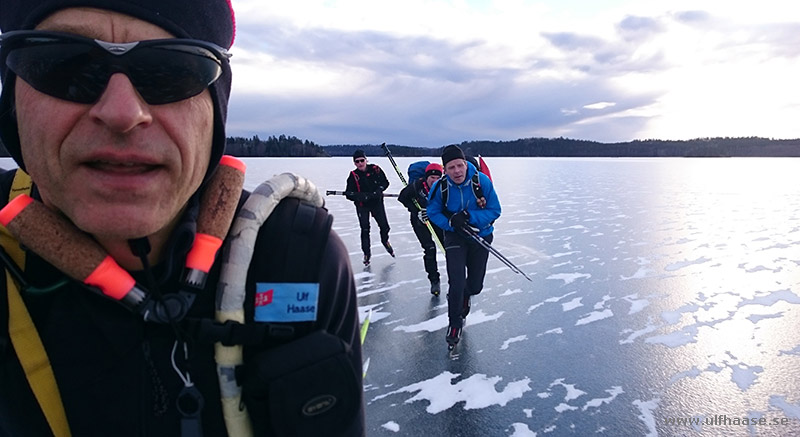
column 423, row 215
column 459, row 220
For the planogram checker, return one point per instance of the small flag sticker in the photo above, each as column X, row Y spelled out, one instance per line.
column 264, row 298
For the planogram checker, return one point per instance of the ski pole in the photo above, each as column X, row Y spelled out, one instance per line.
column 403, row 180
column 364, row 328
column 485, row 244
column 346, row 193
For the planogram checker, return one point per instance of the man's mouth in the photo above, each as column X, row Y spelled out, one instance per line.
column 121, row 167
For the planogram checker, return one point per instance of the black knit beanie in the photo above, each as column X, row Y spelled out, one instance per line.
column 208, row 20
column 450, row 153
column 359, row 154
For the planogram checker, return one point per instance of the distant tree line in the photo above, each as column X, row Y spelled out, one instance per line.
column 272, row 146
column 534, row 147
column 565, row 147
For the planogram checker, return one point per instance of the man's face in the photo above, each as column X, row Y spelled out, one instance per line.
column 361, row 163
column 431, row 179
column 456, row 170
column 118, row 168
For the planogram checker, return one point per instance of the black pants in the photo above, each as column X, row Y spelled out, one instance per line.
column 379, row 213
column 466, row 269
column 428, row 245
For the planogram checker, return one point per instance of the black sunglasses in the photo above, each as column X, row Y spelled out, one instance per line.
column 359, row 160
column 77, row 69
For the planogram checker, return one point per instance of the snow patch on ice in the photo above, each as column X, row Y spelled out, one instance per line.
column 686, row 263
column 564, row 407
column 571, row 305
column 647, row 409
column 430, row 325
column 477, row 391
column 551, row 331
column 636, row 303
column 441, row 321
column 521, row 430
column 569, row 278
column 572, row 392
column 594, row 316
column 675, row 339
column 602, row 303
column 509, row 292
column 513, row 340
column 641, row 273
column 381, row 290
column 391, row 426
column 636, row 334
column 562, row 254
column 597, row 402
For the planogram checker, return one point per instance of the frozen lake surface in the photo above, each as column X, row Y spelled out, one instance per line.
column 663, row 290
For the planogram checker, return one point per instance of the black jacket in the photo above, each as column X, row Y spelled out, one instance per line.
column 114, row 371
column 366, row 188
column 416, row 190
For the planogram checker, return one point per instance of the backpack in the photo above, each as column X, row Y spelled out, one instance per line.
column 475, row 183
column 416, row 170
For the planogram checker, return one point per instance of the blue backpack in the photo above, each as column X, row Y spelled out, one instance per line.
column 416, row 170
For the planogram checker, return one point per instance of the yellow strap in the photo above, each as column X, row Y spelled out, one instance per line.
column 22, row 331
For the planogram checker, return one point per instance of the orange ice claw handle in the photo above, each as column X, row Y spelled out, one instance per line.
column 230, row 161
column 204, row 250
column 217, row 209
column 13, row 208
column 76, row 254
column 111, row 279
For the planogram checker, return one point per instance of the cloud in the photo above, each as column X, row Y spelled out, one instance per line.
column 454, row 74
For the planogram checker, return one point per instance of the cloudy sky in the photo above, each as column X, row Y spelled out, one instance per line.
column 436, row 72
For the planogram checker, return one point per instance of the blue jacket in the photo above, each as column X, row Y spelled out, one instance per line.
column 461, row 198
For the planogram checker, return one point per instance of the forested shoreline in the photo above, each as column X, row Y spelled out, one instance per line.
column 291, row 146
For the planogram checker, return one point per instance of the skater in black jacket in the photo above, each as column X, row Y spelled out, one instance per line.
column 365, row 187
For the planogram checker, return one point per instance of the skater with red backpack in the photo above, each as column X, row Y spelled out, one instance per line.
column 422, row 175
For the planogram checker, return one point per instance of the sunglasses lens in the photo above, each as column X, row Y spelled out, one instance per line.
column 358, row 161
column 78, row 71
column 67, row 71
column 170, row 73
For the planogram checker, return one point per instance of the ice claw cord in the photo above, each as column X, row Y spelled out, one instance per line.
column 83, row 259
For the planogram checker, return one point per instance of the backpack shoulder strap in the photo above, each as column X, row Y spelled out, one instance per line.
column 27, row 344
column 238, row 254
column 476, row 186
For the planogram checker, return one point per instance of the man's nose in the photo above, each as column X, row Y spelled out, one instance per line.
column 120, row 106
